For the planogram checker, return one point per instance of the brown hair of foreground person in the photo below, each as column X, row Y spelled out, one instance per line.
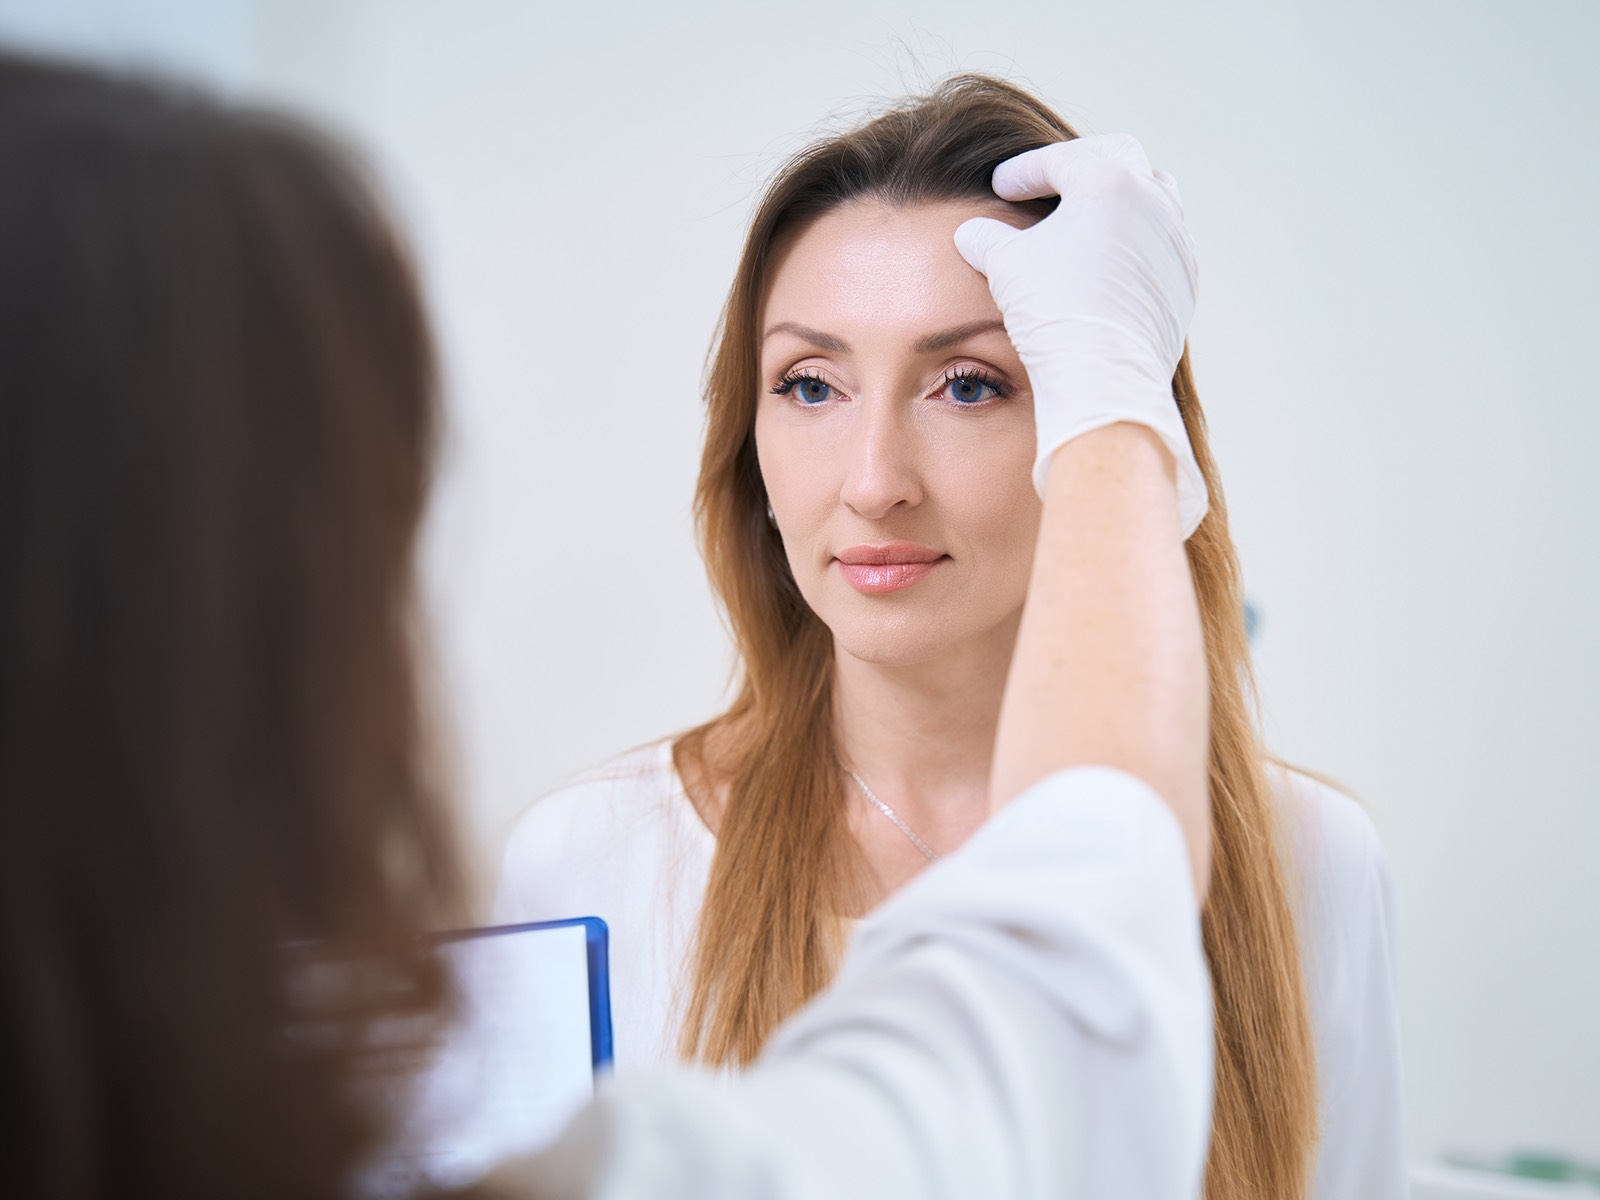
column 786, row 865
column 217, row 418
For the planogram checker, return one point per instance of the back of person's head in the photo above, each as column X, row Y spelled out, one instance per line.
column 786, row 865
column 217, row 419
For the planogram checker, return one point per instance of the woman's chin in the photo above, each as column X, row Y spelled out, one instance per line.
column 908, row 641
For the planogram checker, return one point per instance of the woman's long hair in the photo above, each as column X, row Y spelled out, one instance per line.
column 217, row 421
column 785, row 863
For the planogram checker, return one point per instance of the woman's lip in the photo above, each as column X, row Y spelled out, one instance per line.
column 876, row 579
column 888, row 554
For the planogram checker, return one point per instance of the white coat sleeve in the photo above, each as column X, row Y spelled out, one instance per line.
column 1029, row 1018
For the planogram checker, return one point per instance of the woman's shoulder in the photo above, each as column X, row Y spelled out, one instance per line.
column 627, row 796
column 609, row 837
column 1333, row 836
column 1345, row 913
column 1340, row 876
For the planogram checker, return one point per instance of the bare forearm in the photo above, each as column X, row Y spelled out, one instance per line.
column 1109, row 667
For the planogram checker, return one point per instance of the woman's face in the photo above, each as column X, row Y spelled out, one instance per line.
column 895, row 433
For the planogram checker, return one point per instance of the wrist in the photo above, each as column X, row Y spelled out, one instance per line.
column 1067, row 410
column 1124, row 447
column 1103, row 469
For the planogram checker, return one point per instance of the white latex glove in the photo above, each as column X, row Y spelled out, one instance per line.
column 1097, row 297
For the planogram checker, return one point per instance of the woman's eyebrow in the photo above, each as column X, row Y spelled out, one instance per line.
column 822, row 341
column 929, row 344
column 955, row 335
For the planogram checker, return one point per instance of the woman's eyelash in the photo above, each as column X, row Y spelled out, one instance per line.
column 977, row 375
column 999, row 387
column 791, row 380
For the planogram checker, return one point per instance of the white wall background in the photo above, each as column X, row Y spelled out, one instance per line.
column 1396, row 204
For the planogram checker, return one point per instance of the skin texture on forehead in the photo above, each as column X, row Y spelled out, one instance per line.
column 892, row 256
column 890, row 456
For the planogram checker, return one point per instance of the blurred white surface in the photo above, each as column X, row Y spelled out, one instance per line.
column 1395, row 206
column 515, row 1066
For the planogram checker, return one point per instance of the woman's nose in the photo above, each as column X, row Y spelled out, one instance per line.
column 881, row 470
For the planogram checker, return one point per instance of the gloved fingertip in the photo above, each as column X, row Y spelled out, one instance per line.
column 979, row 237
column 1029, row 176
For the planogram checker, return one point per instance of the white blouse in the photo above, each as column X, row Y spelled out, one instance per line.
column 624, row 843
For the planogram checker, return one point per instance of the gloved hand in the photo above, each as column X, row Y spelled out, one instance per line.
column 1097, row 297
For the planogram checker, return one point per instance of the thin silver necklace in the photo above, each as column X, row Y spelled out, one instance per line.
column 895, row 817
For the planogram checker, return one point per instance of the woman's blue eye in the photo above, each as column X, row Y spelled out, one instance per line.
column 811, row 391
column 969, row 389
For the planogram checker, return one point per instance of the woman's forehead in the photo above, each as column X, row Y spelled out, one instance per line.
column 867, row 263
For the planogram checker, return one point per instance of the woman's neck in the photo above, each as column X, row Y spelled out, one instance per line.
column 922, row 736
